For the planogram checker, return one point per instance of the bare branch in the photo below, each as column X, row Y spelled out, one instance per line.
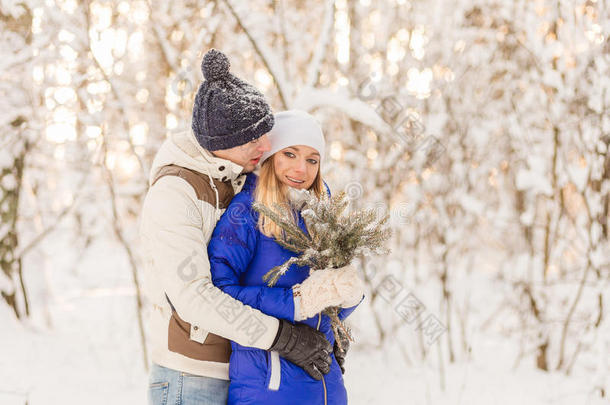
column 265, row 57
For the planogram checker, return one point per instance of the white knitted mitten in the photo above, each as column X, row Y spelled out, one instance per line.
column 350, row 286
column 326, row 288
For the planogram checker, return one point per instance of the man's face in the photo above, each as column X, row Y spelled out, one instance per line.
column 247, row 155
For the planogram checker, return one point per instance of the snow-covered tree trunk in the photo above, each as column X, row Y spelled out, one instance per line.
column 10, row 186
column 15, row 141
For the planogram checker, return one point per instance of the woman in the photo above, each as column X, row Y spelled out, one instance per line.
column 243, row 248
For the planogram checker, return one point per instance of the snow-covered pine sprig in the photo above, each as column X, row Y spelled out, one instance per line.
column 332, row 240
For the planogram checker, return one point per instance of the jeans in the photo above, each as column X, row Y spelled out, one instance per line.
column 167, row 386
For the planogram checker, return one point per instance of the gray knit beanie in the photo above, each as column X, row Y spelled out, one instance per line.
column 227, row 112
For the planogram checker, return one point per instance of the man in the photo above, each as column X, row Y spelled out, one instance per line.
column 194, row 177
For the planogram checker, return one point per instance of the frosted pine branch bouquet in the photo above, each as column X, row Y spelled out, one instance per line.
column 333, row 239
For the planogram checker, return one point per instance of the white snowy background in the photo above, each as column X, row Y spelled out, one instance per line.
column 482, row 127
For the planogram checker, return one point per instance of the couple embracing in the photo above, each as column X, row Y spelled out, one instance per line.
column 219, row 334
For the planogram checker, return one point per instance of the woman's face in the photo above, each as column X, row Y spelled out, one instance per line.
column 297, row 166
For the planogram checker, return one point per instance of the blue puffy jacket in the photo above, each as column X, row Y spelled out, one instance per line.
column 239, row 257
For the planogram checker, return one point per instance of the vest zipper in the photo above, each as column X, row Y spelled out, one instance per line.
column 323, row 381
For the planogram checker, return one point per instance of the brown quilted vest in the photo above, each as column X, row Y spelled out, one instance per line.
column 214, row 348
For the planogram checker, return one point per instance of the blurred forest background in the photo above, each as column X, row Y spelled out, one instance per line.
column 482, row 127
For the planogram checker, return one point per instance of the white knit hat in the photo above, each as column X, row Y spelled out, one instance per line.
column 295, row 127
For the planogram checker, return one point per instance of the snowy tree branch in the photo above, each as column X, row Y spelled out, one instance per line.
column 266, row 57
column 319, row 51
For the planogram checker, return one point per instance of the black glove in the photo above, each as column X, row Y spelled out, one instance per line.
column 341, row 353
column 305, row 347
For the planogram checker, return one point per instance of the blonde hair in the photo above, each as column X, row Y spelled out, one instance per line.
column 270, row 191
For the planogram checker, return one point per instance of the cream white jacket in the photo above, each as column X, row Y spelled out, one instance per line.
column 175, row 228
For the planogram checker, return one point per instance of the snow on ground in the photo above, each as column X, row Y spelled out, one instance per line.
column 381, row 378
column 91, row 354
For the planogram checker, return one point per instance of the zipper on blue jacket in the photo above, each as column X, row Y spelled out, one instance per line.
column 323, row 380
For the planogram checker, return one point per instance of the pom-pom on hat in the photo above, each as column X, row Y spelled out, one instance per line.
column 227, row 111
